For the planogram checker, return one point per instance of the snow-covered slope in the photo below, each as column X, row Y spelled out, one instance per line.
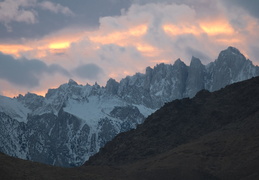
column 67, row 126
column 13, row 108
column 73, row 122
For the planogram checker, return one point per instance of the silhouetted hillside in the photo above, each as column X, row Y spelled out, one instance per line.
column 182, row 121
column 214, row 134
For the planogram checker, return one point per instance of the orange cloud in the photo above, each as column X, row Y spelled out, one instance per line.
column 121, row 38
column 59, row 45
column 131, row 37
column 158, row 61
column 147, row 49
column 52, row 44
column 228, row 40
column 14, row 49
column 217, row 27
column 181, row 29
column 10, row 93
column 211, row 28
column 138, row 30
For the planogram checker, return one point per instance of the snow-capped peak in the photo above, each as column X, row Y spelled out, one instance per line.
column 73, row 121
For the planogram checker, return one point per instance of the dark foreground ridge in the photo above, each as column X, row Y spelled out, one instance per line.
column 182, row 121
column 211, row 136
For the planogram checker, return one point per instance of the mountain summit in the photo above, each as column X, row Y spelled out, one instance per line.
column 71, row 123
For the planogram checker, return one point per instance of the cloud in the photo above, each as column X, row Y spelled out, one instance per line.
column 56, row 8
column 88, row 71
column 159, row 32
column 171, row 27
column 54, row 15
column 13, row 10
column 198, row 54
column 24, row 72
column 144, row 34
column 27, row 11
column 252, row 6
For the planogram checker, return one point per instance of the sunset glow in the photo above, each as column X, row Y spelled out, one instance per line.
column 122, row 43
column 211, row 28
column 145, row 48
column 138, row 30
column 13, row 49
column 158, row 61
column 179, row 30
column 121, row 38
column 214, row 28
column 61, row 45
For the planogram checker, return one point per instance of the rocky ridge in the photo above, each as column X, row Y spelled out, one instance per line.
column 216, row 117
column 215, row 138
column 73, row 122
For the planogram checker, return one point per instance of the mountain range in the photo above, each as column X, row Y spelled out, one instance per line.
column 71, row 123
column 213, row 135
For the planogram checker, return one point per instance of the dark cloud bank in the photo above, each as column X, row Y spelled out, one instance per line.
column 24, row 72
column 88, row 71
column 86, row 13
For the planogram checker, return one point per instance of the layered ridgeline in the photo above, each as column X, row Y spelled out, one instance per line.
column 214, row 135
column 72, row 122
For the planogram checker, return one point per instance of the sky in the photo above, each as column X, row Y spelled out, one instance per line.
column 45, row 43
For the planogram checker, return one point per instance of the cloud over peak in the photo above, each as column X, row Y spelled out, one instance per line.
column 88, row 71
column 24, row 72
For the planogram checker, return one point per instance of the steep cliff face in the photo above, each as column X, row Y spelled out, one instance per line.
column 72, row 122
column 156, row 86
column 196, row 78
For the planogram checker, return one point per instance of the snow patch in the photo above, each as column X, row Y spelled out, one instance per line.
column 145, row 110
column 93, row 110
column 14, row 109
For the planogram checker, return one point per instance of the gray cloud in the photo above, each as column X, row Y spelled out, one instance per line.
column 17, row 11
column 251, row 6
column 31, row 19
column 88, row 71
column 203, row 8
column 198, row 54
column 56, row 8
column 26, row 11
column 46, row 17
column 24, row 72
column 254, row 51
